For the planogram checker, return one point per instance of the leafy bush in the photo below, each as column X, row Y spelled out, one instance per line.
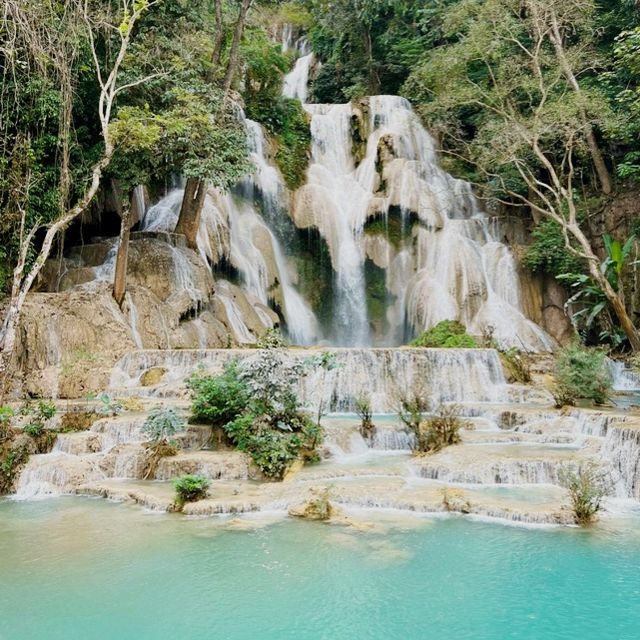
column 587, row 487
column 363, row 410
column 548, row 251
column 10, row 462
column 272, row 339
column 448, row 334
column 37, row 416
column 219, row 399
column 162, row 424
column 191, row 488
column 34, row 429
column 581, row 373
column 518, row 365
column 257, row 406
column 411, row 405
column 6, row 416
column 274, row 448
column 440, row 430
column 109, row 406
column 45, row 410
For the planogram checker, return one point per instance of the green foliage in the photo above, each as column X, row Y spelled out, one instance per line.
column 587, row 487
column 10, row 462
column 109, row 406
column 364, row 412
column 411, row 403
column 440, row 430
column 34, row 429
column 581, row 373
column 274, row 449
column 191, row 488
column 369, row 46
column 45, row 410
column 37, row 416
column 272, row 339
column 447, row 334
column 6, row 414
column 548, row 252
column 162, row 424
column 517, row 364
column 288, row 124
column 593, row 306
column 219, row 399
column 497, row 95
column 257, row 406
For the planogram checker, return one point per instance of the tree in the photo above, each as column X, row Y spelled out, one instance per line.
column 503, row 96
column 45, row 39
column 196, row 187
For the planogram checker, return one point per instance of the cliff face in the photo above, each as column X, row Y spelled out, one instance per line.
column 72, row 330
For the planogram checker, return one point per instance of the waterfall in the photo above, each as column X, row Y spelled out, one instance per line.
column 623, row 379
column 443, row 261
column 296, row 82
column 339, row 204
column 231, row 226
column 383, row 375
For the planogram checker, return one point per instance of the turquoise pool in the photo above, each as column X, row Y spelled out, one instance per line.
column 86, row 569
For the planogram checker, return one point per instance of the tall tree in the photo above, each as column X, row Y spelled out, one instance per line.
column 42, row 39
column 196, row 187
column 502, row 96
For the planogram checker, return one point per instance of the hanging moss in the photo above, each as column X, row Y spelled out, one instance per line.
column 377, row 296
column 394, row 227
column 315, row 274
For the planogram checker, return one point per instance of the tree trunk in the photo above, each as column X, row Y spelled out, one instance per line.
column 218, row 43
column 613, row 297
column 235, row 46
column 598, row 161
column 122, row 259
column 8, row 345
column 192, row 201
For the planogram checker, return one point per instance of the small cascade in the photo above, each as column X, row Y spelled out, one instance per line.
column 442, row 375
column 622, row 450
column 624, row 379
column 296, row 82
column 133, row 320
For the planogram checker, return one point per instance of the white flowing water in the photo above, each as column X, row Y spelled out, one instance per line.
column 448, row 262
column 296, row 82
column 624, row 379
column 232, row 226
column 383, row 375
column 337, row 197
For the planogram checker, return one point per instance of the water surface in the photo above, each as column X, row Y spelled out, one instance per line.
column 79, row 568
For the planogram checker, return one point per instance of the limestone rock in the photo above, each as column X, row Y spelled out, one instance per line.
column 152, row 376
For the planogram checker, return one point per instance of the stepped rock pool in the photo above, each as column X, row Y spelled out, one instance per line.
column 93, row 570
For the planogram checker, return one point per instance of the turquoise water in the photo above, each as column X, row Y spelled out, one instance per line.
column 91, row 570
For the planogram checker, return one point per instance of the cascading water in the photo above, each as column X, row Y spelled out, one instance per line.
column 338, row 205
column 296, row 83
column 399, row 209
column 232, row 227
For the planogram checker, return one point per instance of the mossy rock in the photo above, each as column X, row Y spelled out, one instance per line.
column 448, row 334
column 153, row 376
